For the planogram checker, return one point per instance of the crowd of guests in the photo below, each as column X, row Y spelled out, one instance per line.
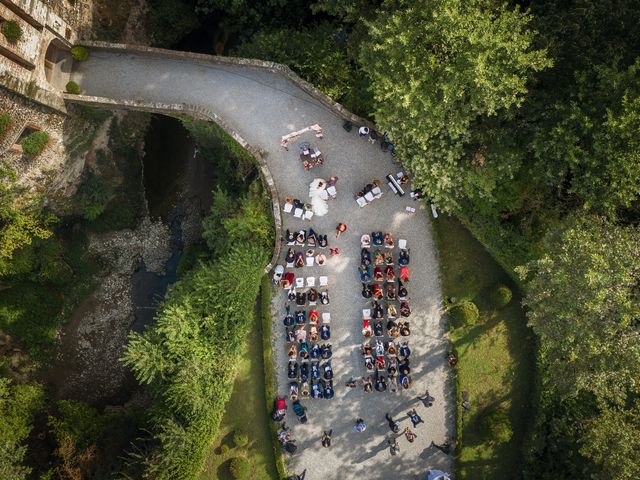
column 307, row 330
column 384, row 273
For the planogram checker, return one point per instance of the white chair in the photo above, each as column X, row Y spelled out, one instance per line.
column 326, row 317
column 288, row 207
column 332, row 191
column 308, row 215
column 299, row 282
column 402, row 244
column 365, row 241
column 310, row 261
column 289, row 264
column 298, row 213
column 368, row 196
column 410, row 209
column 361, row 201
column 377, row 192
column 311, row 281
column 324, row 281
column 324, row 195
column 366, row 314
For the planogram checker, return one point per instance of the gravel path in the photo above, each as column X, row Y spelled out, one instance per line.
column 262, row 106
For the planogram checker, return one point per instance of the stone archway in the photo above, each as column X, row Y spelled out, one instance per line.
column 57, row 64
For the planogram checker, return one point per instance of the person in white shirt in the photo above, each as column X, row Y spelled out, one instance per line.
column 363, row 131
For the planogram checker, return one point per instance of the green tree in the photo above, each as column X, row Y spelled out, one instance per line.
column 584, row 306
column 435, row 67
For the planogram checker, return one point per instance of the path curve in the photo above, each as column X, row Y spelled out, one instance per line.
column 259, row 102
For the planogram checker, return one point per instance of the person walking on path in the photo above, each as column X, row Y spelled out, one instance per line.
column 415, row 418
column 340, row 229
column 426, row 399
column 326, row 439
column 359, row 425
column 394, row 447
column 393, row 425
column 410, row 435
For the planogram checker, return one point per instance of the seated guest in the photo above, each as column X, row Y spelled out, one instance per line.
column 365, row 273
column 378, row 330
column 405, row 381
column 402, row 291
column 392, row 329
column 378, row 276
column 312, row 238
column 328, row 389
column 322, row 241
column 404, row 274
column 379, row 348
column 377, row 292
column 391, row 311
column 314, row 353
column 368, row 363
column 365, row 256
column 405, row 311
column 288, row 318
column 290, row 237
column 404, row 367
column 293, row 390
column 404, row 351
column 325, row 332
column 390, row 274
column 366, row 328
column 291, row 294
column 304, row 351
column 312, row 296
column 366, row 349
column 301, row 298
column 326, row 351
column 313, row 334
column 301, row 237
column 381, row 383
column 292, row 370
column 405, row 331
column 313, row 317
column 301, row 317
column 377, row 239
column 299, row 260
column 293, row 351
column 403, row 258
column 366, row 290
column 379, row 258
column 391, row 348
column 289, row 257
column 316, row 391
column 390, row 292
column 324, row 298
column 315, row 371
column 388, row 258
column 301, row 334
column 304, row 372
column 380, row 363
column 388, row 240
column 304, row 390
column 291, row 337
column 378, row 312
column 327, row 371
column 321, row 259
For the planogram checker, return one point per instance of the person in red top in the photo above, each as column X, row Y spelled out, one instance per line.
column 340, row 229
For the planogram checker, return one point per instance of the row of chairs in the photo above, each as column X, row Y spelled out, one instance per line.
column 311, row 282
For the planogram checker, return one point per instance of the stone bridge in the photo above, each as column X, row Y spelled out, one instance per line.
column 258, row 102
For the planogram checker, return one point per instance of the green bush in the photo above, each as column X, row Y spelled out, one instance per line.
column 500, row 296
column 73, row 87
column 464, row 313
column 79, row 53
column 497, row 427
column 240, row 439
column 11, row 30
column 35, row 142
column 239, row 468
column 224, row 449
column 5, row 121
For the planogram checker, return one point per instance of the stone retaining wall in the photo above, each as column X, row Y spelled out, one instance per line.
column 204, row 114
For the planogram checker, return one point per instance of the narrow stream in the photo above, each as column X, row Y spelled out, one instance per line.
column 168, row 150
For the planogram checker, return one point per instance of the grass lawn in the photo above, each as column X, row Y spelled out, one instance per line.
column 495, row 359
column 246, row 410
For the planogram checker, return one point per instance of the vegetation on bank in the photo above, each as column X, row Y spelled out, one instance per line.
column 495, row 351
column 191, row 356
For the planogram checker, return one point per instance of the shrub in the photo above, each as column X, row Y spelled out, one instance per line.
column 11, row 31
column 79, row 53
column 464, row 313
column 5, row 121
column 224, row 449
column 239, row 468
column 497, row 426
column 240, row 439
column 73, row 87
column 500, row 296
column 35, row 142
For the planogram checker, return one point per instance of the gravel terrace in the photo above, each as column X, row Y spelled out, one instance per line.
column 261, row 106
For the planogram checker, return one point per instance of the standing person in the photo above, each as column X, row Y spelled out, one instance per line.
column 426, row 399
column 326, row 439
column 393, row 424
column 444, row 448
column 410, row 435
column 394, row 447
column 340, row 229
column 415, row 418
column 359, row 425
